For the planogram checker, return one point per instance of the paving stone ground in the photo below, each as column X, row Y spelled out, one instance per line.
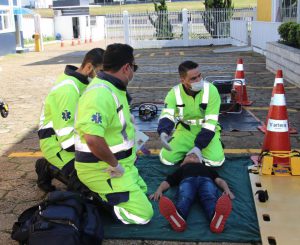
column 25, row 80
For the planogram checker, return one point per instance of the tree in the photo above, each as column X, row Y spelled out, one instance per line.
column 215, row 14
column 161, row 21
column 218, row 4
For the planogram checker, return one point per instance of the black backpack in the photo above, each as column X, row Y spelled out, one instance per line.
column 63, row 218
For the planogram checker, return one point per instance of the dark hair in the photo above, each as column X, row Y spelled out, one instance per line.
column 94, row 56
column 185, row 66
column 116, row 55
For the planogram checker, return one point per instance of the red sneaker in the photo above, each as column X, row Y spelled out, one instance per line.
column 168, row 210
column 223, row 209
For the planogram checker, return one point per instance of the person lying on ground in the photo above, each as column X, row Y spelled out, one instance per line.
column 194, row 179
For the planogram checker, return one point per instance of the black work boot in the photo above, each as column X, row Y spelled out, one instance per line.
column 44, row 175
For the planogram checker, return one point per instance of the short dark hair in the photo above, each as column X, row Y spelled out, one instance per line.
column 116, row 55
column 94, row 56
column 185, row 66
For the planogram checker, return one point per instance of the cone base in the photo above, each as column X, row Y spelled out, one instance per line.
column 245, row 103
column 255, row 160
column 263, row 129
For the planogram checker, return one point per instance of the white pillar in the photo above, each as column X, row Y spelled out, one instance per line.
column 126, row 26
column 185, row 27
column 38, row 29
column 275, row 9
column 298, row 11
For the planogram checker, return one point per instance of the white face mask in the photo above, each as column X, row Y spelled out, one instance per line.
column 89, row 79
column 196, row 87
column 131, row 80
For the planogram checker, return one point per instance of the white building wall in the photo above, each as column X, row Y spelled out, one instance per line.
column 239, row 32
column 84, row 27
column 47, row 27
column 63, row 26
column 270, row 31
column 43, row 3
column 98, row 31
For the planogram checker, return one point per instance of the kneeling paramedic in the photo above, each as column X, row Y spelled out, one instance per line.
column 194, row 107
column 56, row 130
column 105, row 140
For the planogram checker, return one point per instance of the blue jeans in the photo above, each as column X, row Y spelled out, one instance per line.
column 190, row 188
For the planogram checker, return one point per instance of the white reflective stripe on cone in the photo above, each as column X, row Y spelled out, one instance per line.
column 278, row 100
column 240, row 67
column 129, row 216
column 239, row 82
column 278, row 126
column 278, row 80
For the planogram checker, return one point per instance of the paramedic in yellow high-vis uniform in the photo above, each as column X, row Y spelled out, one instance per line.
column 105, row 152
column 194, row 107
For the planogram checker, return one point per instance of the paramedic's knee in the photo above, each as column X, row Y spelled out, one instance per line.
column 164, row 158
column 211, row 163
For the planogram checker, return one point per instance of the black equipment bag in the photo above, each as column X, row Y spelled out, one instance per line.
column 64, row 218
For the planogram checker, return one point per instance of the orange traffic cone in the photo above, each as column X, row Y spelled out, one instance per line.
column 278, row 79
column 78, row 40
column 277, row 137
column 62, row 43
column 72, row 44
column 91, row 39
column 240, row 84
column 85, row 40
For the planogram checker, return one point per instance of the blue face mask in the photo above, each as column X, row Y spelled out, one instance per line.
column 196, row 87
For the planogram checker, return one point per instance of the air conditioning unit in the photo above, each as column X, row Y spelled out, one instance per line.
column 57, row 13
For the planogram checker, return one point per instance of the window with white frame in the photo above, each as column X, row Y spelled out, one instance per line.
column 5, row 20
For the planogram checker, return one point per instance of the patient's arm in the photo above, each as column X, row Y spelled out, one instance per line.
column 158, row 193
column 223, row 185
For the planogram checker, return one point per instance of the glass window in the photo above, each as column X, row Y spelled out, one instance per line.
column 93, row 20
column 5, row 18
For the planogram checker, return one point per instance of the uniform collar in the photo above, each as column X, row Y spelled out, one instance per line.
column 71, row 71
column 116, row 82
column 113, row 80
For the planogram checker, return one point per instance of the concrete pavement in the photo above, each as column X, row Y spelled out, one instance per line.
column 25, row 80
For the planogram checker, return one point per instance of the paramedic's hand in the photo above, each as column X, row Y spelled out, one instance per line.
column 165, row 141
column 197, row 152
column 115, row 172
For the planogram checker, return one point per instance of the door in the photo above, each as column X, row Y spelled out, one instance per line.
column 75, row 24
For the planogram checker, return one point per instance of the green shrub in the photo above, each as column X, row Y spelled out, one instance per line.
column 292, row 39
column 298, row 36
column 290, row 33
column 284, row 30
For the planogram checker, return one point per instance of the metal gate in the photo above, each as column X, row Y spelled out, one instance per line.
column 171, row 29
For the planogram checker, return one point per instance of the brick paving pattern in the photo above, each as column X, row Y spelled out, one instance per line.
column 26, row 79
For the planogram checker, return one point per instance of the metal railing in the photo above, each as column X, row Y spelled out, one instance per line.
column 289, row 13
column 170, row 25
